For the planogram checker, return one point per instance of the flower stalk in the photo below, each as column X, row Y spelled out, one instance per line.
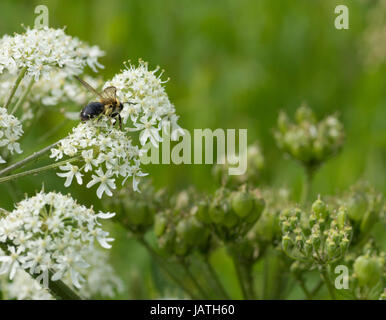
column 15, row 86
column 37, row 170
column 36, row 155
column 24, row 96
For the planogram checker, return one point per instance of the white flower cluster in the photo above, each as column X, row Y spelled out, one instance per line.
column 148, row 107
column 59, row 90
column 101, row 280
column 50, row 231
column 42, row 50
column 102, row 149
column 10, row 132
column 24, row 287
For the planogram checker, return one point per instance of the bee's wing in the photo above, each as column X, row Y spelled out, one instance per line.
column 110, row 93
column 89, row 87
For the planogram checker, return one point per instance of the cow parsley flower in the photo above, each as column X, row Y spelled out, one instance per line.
column 149, row 109
column 10, row 132
column 59, row 90
column 102, row 149
column 101, row 280
column 42, row 50
column 50, row 231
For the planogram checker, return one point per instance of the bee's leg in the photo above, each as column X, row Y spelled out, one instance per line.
column 120, row 121
column 99, row 117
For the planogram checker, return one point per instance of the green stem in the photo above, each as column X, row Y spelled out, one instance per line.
column 15, row 86
column 37, row 170
column 22, row 98
column 194, row 280
column 216, row 279
column 309, row 174
column 57, row 288
column 328, row 283
column 304, row 288
column 316, row 289
column 161, row 263
column 35, row 156
column 239, row 273
column 250, row 284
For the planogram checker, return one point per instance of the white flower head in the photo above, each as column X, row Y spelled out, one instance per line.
column 51, row 231
column 148, row 108
column 42, row 50
column 102, row 149
column 10, row 132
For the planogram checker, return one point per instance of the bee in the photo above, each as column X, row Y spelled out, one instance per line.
column 107, row 105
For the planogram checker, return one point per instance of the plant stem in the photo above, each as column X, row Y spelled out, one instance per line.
column 309, row 174
column 37, row 170
column 15, row 86
column 328, row 283
column 57, row 288
column 194, row 280
column 213, row 273
column 30, row 158
column 239, row 273
column 304, row 288
column 161, row 263
column 22, row 98
column 316, row 289
column 250, row 285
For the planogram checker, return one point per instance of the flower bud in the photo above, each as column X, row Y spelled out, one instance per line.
column 368, row 271
column 202, row 212
column 286, row 242
column 242, row 203
column 304, row 113
column 217, row 213
column 230, row 219
column 159, row 224
column 189, row 230
column 259, row 205
column 320, row 209
column 341, row 217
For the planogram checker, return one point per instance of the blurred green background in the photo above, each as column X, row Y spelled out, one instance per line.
column 232, row 64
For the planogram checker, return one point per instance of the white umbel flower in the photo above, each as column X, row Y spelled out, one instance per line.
column 103, row 149
column 101, row 280
column 50, row 231
column 149, row 109
column 10, row 132
column 42, row 50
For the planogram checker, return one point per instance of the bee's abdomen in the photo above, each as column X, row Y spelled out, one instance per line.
column 92, row 110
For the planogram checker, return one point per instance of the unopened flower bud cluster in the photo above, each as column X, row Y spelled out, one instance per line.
column 255, row 164
column 318, row 238
column 179, row 230
column 231, row 214
column 309, row 141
